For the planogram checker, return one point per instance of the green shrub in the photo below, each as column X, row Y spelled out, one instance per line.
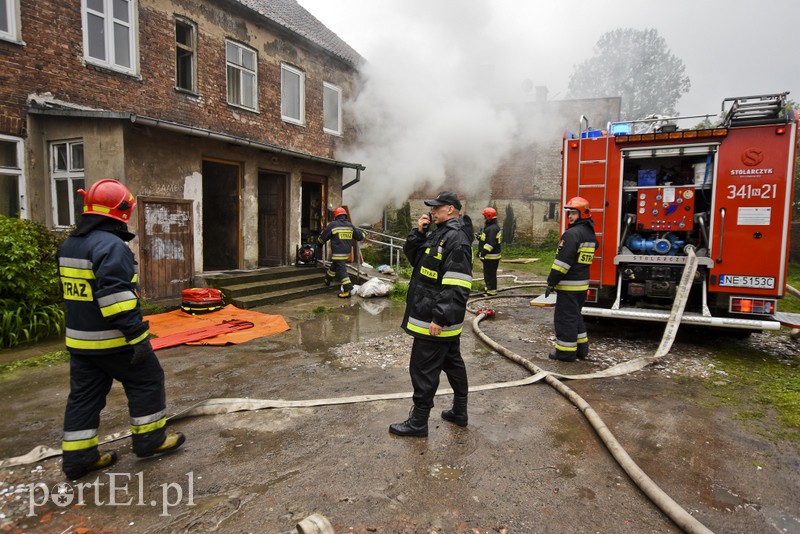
column 31, row 305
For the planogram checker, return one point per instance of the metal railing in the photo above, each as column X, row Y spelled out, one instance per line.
column 394, row 243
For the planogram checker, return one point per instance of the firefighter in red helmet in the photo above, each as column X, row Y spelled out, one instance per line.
column 106, row 336
column 569, row 277
column 341, row 233
column 490, row 241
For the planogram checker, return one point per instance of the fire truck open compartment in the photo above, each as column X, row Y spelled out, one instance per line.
column 662, row 185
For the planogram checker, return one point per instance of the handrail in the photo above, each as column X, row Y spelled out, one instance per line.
column 394, row 243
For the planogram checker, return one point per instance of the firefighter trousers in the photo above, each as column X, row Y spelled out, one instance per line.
column 571, row 338
column 428, row 360
column 91, row 378
column 490, row 275
column 338, row 270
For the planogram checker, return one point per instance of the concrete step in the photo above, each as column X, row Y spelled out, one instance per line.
column 275, row 297
column 299, row 280
column 249, row 289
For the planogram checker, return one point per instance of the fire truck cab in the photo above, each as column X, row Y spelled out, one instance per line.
column 662, row 185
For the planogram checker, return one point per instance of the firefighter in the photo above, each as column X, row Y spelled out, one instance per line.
column 569, row 277
column 106, row 336
column 435, row 308
column 341, row 233
column 489, row 244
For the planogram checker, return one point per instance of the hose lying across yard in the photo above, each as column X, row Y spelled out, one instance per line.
column 673, row 510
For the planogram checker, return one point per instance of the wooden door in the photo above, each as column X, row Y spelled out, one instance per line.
column 166, row 262
column 272, row 218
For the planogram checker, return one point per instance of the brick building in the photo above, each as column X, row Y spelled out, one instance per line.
column 221, row 116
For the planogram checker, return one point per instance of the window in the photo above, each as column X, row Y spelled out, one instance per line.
column 332, row 108
column 551, row 210
column 241, row 74
column 293, row 95
column 109, row 33
column 185, row 55
column 8, row 20
column 66, row 172
column 12, row 180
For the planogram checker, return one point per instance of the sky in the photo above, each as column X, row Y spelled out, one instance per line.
column 438, row 69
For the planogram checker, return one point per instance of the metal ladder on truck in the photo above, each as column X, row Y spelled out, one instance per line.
column 593, row 176
column 755, row 110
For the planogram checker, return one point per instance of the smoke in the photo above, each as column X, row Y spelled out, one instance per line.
column 432, row 108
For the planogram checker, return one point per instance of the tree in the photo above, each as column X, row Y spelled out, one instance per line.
column 509, row 225
column 636, row 65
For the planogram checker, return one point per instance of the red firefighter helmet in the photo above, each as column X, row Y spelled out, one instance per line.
column 108, row 198
column 581, row 205
column 489, row 213
column 339, row 211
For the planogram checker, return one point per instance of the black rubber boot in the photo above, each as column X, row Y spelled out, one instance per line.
column 415, row 425
column 563, row 356
column 458, row 414
column 583, row 351
column 170, row 443
column 106, row 459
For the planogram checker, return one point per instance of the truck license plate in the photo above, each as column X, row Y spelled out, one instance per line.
column 757, row 282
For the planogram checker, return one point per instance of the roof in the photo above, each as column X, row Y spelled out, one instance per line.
column 295, row 18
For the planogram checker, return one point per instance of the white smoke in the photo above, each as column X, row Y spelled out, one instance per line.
column 430, row 109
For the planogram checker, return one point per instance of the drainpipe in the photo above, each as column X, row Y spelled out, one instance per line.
column 357, row 179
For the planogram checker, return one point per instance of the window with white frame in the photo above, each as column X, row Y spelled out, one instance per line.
column 242, row 75
column 293, row 95
column 185, row 55
column 9, row 20
column 332, row 108
column 12, row 178
column 109, row 34
column 66, row 175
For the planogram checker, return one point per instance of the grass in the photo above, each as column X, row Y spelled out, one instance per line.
column 790, row 304
column 48, row 359
column 758, row 386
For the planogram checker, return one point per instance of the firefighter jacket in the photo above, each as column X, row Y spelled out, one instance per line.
column 441, row 280
column 99, row 275
column 341, row 233
column 570, row 269
column 490, row 241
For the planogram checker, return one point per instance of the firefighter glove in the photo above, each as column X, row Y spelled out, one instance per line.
column 549, row 290
column 141, row 352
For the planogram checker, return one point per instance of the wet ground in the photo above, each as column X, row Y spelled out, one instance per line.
column 527, row 462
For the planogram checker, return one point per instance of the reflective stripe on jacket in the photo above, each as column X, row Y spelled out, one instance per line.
column 490, row 241
column 570, row 269
column 341, row 234
column 99, row 276
column 441, row 281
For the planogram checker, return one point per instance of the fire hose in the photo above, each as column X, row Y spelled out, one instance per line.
column 673, row 510
column 663, row 501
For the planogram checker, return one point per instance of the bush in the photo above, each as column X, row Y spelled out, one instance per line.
column 31, row 305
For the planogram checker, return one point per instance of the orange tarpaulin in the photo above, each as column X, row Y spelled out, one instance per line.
column 178, row 321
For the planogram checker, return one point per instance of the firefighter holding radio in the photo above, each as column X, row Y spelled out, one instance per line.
column 341, row 233
column 435, row 307
column 106, row 336
column 569, row 277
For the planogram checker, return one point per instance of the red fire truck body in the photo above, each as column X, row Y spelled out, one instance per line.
column 657, row 188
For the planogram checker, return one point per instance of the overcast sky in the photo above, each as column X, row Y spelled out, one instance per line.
column 434, row 53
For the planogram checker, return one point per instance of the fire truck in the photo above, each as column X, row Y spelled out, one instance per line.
column 662, row 186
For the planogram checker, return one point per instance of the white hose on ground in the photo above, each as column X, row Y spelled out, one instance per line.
column 663, row 501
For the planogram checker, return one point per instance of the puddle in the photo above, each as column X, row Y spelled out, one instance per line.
column 447, row 472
